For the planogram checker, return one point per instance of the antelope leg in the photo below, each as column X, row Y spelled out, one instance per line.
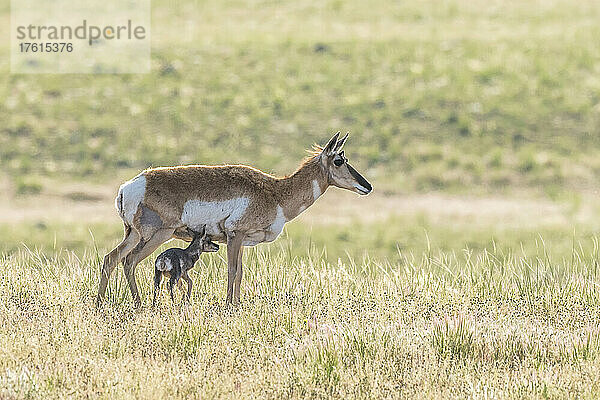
column 234, row 243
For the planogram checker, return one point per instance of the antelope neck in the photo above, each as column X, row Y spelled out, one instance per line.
column 301, row 189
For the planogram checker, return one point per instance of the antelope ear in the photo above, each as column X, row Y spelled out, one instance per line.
column 330, row 147
column 341, row 143
column 191, row 232
column 203, row 231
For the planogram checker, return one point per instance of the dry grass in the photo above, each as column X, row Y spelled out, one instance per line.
column 440, row 326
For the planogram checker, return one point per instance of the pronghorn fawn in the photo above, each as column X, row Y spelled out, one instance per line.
column 239, row 205
column 174, row 263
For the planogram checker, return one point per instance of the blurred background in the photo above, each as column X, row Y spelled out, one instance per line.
column 478, row 122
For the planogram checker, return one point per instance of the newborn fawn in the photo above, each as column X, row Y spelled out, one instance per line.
column 175, row 263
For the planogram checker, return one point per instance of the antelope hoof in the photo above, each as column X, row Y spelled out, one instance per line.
column 232, row 303
column 137, row 304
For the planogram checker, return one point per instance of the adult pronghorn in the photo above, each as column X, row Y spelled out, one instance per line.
column 239, row 205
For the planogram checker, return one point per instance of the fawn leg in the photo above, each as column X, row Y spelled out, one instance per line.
column 157, row 279
column 170, row 285
column 140, row 253
column 187, row 278
column 180, row 288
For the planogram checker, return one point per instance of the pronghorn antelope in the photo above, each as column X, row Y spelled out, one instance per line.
column 239, row 205
column 174, row 263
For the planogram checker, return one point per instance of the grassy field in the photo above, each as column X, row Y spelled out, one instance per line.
column 437, row 326
column 471, row 271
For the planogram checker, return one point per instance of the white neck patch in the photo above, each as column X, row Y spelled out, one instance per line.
column 279, row 222
column 316, row 190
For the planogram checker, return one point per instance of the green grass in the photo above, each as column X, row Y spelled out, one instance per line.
column 427, row 327
column 459, row 96
column 384, row 240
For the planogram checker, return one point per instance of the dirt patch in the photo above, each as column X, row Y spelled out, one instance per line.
column 342, row 207
column 89, row 203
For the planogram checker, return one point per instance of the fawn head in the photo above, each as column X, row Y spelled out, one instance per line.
column 202, row 243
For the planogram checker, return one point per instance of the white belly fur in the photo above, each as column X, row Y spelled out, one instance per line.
column 216, row 215
column 221, row 216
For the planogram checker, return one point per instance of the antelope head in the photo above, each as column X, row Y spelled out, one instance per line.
column 339, row 172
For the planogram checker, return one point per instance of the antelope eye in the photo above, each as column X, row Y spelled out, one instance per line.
column 338, row 162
